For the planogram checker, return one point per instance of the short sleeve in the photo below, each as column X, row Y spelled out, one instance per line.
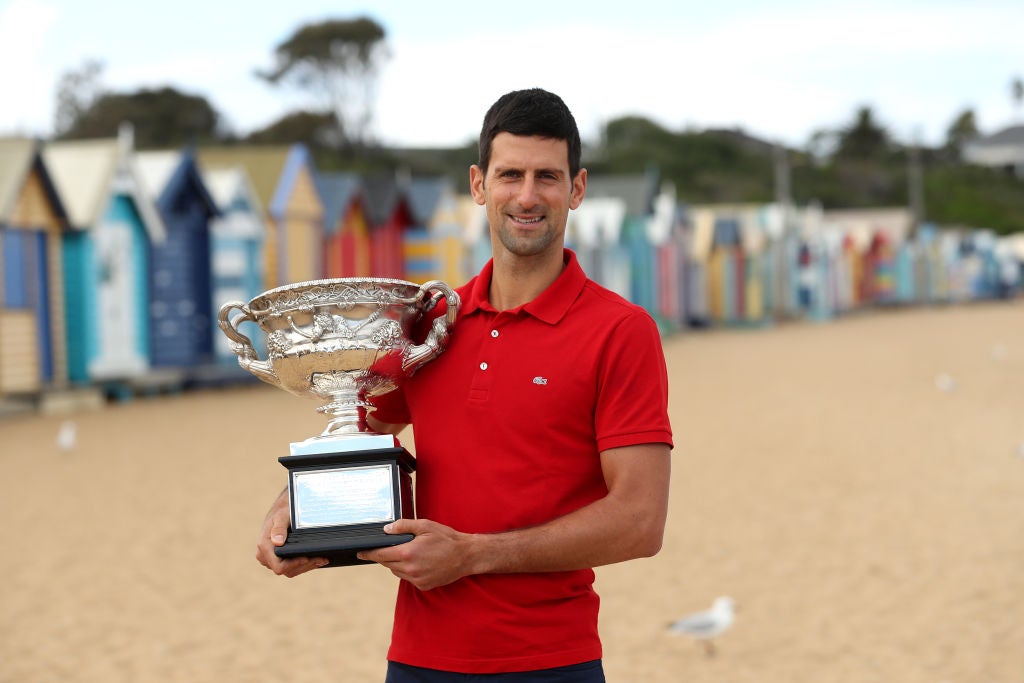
column 632, row 397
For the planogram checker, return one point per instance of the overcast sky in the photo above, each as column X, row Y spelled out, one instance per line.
column 778, row 70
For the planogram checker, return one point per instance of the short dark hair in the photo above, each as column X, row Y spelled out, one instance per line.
column 531, row 112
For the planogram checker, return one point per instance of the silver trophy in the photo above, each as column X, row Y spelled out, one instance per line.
column 343, row 341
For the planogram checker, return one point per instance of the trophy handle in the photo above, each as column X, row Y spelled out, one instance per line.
column 242, row 346
column 437, row 338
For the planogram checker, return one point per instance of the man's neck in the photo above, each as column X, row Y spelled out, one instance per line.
column 516, row 281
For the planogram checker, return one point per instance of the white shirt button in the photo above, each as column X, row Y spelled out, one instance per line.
column 494, row 333
column 483, row 366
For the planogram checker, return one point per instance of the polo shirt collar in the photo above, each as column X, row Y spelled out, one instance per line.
column 550, row 307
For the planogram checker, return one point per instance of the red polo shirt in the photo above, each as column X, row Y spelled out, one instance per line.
column 509, row 423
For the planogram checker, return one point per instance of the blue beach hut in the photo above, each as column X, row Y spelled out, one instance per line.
column 32, row 220
column 594, row 233
column 631, row 254
column 284, row 179
column 237, row 240
column 105, row 257
column 181, row 282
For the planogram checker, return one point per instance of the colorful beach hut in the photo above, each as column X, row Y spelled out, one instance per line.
column 753, row 250
column 661, row 225
column 773, row 220
column 879, row 269
column 33, row 353
column 594, row 232
column 390, row 217
column 726, row 273
column 433, row 243
column 346, row 232
column 475, row 233
column 635, row 257
column 237, row 242
column 284, row 180
column 105, row 257
column 697, row 303
column 181, row 278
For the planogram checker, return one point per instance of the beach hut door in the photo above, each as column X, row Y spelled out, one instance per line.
column 118, row 329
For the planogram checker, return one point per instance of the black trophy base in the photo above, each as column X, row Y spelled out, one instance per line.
column 339, row 545
column 338, row 541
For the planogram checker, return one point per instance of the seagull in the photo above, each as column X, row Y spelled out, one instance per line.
column 945, row 382
column 703, row 626
column 66, row 435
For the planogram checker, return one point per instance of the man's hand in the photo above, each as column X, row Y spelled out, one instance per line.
column 273, row 535
column 437, row 556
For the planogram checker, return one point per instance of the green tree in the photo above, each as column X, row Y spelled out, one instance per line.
column 708, row 166
column 963, row 128
column 310, row 128
column 863, row 139
column 161, row 118
column 337, row 61
column 77, row 91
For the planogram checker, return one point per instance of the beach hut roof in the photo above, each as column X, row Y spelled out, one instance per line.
column 1003, row 148
column 235, row 197
column 425, row 195
column 895, row 222
column 156, row 169
column 16, row 155
column 337, row 191
column 297, row 161
column 86, row 172
column 264, row 165
column 164, row 172
column 227, row 185
column 598, row 220
column 637, row 190
column 19, row 157
column 383, row 195
column 1014, row 135
column 663, row 216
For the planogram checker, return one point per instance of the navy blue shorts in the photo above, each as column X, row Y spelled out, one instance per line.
column 587, row 672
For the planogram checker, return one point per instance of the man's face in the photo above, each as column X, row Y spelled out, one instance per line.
column 528, row 193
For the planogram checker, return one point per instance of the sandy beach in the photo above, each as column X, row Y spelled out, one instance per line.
column 857, row 486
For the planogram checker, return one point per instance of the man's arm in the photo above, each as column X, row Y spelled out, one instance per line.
column 627, row 523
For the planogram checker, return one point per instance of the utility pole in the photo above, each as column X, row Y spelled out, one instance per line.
column 915, row 185
column 782, row 181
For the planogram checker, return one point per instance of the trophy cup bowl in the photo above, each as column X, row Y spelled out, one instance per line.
column 343, row 341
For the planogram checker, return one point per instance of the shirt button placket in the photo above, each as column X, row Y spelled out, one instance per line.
column 494, row 335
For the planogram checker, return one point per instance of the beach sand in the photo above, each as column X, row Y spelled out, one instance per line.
column 856, row 486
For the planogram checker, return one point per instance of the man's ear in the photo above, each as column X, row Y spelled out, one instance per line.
column 476, row 184
column 579, row 189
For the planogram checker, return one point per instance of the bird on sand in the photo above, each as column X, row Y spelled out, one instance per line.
column 705, row 626
column 67, row 435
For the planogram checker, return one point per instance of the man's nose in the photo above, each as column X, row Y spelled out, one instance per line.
column 527, row 195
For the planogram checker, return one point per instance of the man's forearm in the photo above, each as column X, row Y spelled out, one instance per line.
column 626, row 524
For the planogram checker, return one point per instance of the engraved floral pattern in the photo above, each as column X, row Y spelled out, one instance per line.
column 278, row 343
column 333, row 382
column 387, row 335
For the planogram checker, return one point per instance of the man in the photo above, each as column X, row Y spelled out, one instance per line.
column 542, row 436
